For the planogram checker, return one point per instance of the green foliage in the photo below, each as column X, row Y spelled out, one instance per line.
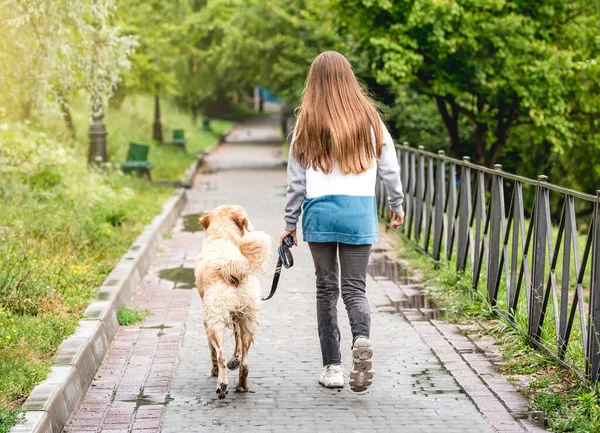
column 574, row 411
column 242, row 43
column 496, row 64
column 63, row 226
column 160, row 28
column 129, row 316
column 50, row 48
column 8, row 418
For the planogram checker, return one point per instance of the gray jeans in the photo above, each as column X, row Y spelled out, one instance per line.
column 353, row 260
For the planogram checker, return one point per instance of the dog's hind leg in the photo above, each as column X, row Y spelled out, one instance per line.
column 235, row 360
column 213, row 356
column 247, row 339
column 215, row 336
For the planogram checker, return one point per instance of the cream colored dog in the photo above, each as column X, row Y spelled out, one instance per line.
column 227, row 270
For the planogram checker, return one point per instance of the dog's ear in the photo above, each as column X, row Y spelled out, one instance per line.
column 240, row 219
column 205, row 220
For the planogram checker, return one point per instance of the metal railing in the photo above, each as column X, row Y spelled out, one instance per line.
column 502, row 230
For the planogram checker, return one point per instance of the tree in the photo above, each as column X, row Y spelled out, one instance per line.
column 238, row 44
column 496, row 63
column 160, row 28
column 52, row 48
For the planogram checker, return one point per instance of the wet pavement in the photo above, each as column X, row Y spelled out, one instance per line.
column 156, row 376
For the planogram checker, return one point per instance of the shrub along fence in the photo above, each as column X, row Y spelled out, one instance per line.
column 520, row 241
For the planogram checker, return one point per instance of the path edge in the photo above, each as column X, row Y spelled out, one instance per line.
column 78, row 358
column 495, row 398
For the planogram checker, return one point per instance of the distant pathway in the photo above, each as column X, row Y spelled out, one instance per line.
column 156, row 376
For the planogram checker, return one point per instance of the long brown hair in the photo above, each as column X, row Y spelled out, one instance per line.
column 335, row 119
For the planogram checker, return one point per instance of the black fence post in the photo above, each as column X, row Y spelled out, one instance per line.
column 464, row 216
column 440, row 201
column 451, row 211
column 593, row 343
column 419, row 199
column 536, row 298
column 496, row 231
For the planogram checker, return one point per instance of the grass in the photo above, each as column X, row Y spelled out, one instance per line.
column 129, row 316
column 568, row 404
column 8, row 418
column 132, row 121
column 63, row 226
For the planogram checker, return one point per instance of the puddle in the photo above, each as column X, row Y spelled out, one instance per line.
column 161, row 327
column 183, row 277
column 191, row 223
column 382, row 267
column 413, row 298
column 421, row 303
column 146, row 400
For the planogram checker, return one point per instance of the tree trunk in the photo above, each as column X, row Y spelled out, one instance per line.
column 505, row 122
column 481, row 130
column 157, row 133
column 451, row 121
column 66, row 112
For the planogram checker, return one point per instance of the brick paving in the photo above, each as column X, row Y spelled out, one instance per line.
column 156, row 376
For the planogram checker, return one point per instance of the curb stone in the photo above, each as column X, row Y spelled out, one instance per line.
column 50, row 404
column 494, row 396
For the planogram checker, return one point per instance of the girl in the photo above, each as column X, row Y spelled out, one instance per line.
column 338, row 148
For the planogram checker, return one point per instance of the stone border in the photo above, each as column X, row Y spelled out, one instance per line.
column 466, row 359
column 51, row 403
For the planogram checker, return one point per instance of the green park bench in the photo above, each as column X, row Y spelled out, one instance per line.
column 178, row 138
column 137, row 160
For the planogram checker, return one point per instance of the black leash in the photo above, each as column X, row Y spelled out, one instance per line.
column 285, row 259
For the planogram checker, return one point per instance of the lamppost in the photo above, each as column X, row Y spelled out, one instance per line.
column 157, row 133
column 97, row 134
column 97, row 131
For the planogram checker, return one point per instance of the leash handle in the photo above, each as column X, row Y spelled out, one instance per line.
column 285, row 255
column 285, row 260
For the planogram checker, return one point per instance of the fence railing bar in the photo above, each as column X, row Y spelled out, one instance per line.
column 429, row 202
column 496, row 251
column 593, row 358
column 509, row 268
column 440, row 203
column 569, row 231
column 464, row 219
column 481, row 216
column 413, row 194
column 539, row 262
column 551, row 285
column 451, row 210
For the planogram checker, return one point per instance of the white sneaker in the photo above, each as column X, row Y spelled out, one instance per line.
column 362, row 372
column 332, row 376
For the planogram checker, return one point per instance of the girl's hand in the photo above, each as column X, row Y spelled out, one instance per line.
column 285, row 233
column 397, row 218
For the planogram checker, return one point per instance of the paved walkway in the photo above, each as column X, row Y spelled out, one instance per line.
column 156, row 376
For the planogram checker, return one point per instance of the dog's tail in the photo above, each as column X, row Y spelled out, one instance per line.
column 233, row 268
column 256, row 247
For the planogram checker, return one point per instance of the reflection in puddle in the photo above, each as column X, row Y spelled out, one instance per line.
column 161, row 326
column 147, row 400
column 184, row 278
column 191, row 223
column 412, row 297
